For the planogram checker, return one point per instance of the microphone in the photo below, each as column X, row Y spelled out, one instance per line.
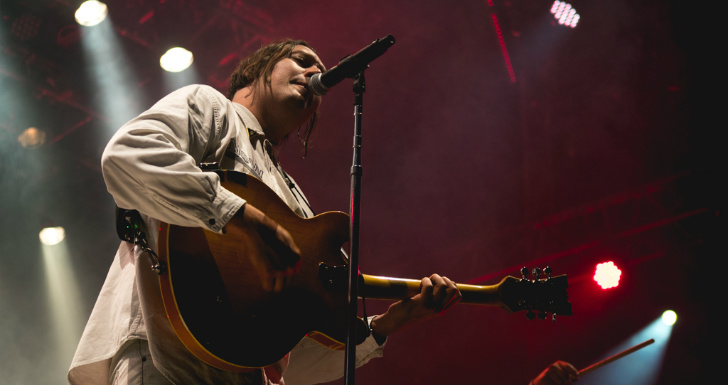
column 349, row 66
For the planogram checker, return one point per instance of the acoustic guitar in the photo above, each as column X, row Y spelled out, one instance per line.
column 218, row 309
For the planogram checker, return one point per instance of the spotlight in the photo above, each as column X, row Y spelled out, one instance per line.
column 607, row 275
column 565, row 14
column 26, row 27
column 52, row 235
column 90, row 13
column 177, row 59
column 32, row 138
column 669, row 317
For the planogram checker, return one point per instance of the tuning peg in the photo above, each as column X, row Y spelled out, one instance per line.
column 530, row 315
column 524, row 272
column 548, row 271
column 537, row 273
column 542, row 315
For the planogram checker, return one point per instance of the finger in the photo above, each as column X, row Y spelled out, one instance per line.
column 279, row 283
column 569, row 368
column 443, row 291
column 291, row 271
column 438, row 282
column 288, row 252
column 436, row 279
column 566, row 370
column 426, row 286
column 552, row 378
column 285, row 252
column 426, row 289
column 571, row 371
column 268, row 282
column 453, row 294
column 285, row 238
column 281, row 258
column 559, row 374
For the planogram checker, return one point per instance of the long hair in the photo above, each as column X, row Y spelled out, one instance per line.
column 259, row 66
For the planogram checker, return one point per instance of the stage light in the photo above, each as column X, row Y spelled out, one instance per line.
column 502, row 42
column 90, row 13
column 669, row 317
column 52, row 235
column 607, row 275
column 32, row 138
column 67, row 314
column 565, row 14
column 176, row 59
column 26, row 27
column 117, row 96
column 639, row 368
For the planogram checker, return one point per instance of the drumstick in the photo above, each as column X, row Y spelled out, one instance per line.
column 615, row 357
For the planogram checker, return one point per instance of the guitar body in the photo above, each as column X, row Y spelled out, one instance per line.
column 217, row 307
column 215, row 300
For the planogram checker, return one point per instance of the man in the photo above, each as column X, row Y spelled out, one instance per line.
column 152, row 165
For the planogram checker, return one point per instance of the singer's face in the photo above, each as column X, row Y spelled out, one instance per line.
column 289, row 84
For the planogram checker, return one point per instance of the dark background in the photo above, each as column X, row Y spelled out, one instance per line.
column 602, row 145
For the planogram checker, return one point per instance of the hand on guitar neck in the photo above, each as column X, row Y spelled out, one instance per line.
column 437, row 294
column 558, row 373
column 275, row 256
column 278, row 260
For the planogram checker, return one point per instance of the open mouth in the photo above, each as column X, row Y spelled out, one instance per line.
column 303, row 88
column 302, row 84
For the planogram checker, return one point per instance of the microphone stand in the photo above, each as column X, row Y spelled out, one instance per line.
column 356, row 173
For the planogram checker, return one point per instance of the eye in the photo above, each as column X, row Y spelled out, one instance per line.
column 305, row 61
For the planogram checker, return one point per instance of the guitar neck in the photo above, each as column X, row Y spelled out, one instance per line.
column 376, row 287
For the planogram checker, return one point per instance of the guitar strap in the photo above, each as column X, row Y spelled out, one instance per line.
column 128, row 223
column 294, row 189
column 130, row 228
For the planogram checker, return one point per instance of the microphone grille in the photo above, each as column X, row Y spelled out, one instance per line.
column 316, row 86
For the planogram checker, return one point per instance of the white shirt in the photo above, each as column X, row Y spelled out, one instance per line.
column 151, row 165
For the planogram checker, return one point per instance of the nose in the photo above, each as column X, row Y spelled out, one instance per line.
column 312, row 70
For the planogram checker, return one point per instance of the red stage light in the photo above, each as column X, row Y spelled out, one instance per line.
column 607, row 275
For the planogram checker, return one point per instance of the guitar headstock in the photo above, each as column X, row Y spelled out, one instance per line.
column 537, row 294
